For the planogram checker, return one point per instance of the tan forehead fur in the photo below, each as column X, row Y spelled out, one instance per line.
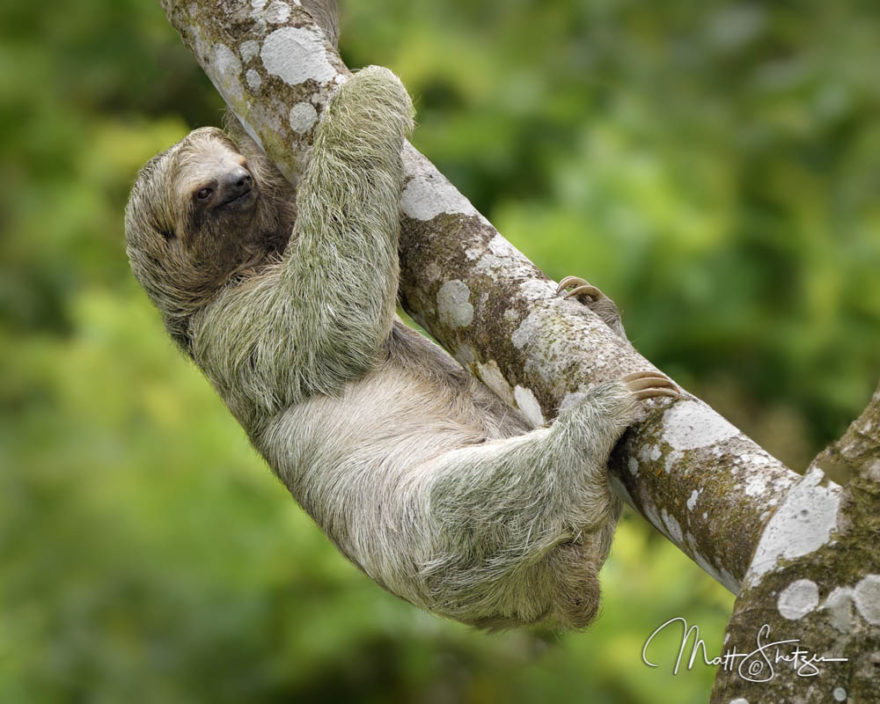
column 201, row 159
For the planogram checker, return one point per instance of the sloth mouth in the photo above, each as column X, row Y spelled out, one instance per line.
column 239, row 201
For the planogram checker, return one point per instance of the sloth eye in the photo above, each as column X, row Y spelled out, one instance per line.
column 204, row 193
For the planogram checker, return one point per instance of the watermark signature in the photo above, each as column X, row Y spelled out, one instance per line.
column 757, row 665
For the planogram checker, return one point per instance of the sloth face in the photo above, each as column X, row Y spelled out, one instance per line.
column 214, row 187
column 201, row 213
column 217, row 222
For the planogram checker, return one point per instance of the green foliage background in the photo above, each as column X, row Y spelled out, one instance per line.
column 712, row 166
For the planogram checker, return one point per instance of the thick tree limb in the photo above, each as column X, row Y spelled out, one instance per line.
column 826, row 593
column 696, row 478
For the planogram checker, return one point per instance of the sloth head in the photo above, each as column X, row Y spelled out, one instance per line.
column 201, row 214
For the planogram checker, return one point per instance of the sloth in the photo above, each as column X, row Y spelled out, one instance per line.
column 285, row 298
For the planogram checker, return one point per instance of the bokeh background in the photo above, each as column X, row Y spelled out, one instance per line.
column 712, row 166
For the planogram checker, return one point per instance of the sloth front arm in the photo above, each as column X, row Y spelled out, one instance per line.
column 341, row 270
column 318, row 319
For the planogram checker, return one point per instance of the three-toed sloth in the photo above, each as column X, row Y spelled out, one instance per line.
column 286, row 301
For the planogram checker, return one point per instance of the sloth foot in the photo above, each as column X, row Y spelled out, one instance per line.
column 594, row 299
column 650, row 384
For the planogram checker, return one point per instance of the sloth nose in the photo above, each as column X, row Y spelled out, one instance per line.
column 237, row 182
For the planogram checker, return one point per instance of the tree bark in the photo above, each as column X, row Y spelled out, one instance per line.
column 824, row 593
column 695, row 477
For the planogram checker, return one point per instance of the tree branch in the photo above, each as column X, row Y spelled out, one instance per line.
column 694, row 476
column 822, row 588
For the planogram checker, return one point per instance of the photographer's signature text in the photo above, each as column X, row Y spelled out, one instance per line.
column 759, row 664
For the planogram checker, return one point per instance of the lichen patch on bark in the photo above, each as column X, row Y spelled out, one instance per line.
column 302, row 117
column 803, row 523
column 528, row 404
column 691, row 424
column 798, row 599
column 866, row 596
column 296, row 55
column 453, row 304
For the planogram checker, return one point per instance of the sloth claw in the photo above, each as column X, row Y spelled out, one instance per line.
column 581, row 288
column 650, row 384
column 592, row 297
